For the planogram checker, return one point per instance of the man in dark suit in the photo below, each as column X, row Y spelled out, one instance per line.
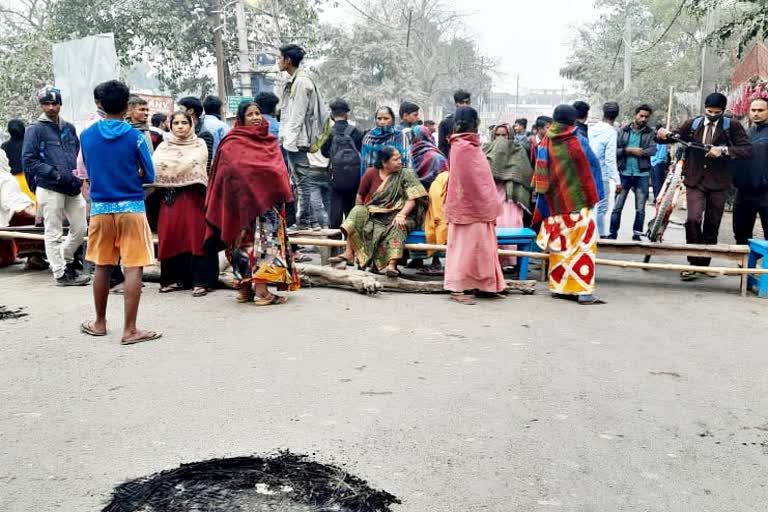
column 708, row 175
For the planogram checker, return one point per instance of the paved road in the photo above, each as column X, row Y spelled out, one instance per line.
column 654, row 402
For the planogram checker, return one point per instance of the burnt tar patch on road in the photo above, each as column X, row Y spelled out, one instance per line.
column 285, row 482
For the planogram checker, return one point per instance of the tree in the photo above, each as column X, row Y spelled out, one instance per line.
column 372, row 62
column 666, row 51
column 748, row 21
column 176, row 36
column 23, row 41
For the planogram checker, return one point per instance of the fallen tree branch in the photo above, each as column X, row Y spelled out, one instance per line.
column 371, row 284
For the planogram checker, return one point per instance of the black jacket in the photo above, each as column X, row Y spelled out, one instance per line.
column 647, row 144
column 713, row 174
column 12, row 148
column 752, row 175
column 338, row 128
column 49, row 156
column 444, row 130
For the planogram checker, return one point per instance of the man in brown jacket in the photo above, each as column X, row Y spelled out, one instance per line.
column 708, row 175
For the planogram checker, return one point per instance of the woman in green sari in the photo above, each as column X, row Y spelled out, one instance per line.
column 390, row 202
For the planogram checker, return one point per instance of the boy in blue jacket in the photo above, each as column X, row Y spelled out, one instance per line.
column 119, row 165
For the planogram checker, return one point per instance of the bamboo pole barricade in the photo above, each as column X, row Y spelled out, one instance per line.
column 502, row 252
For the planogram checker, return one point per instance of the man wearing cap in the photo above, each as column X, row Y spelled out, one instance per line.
column 50, row 159
column 568, row 181
column 708, row 175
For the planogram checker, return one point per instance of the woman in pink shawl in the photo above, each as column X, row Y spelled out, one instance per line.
column 471, row 207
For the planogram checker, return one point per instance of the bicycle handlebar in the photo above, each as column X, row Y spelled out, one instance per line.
column 675, row 137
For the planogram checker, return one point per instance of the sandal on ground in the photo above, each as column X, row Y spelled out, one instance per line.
column 431, row 271
column 688, row 275
column 245, row 294
column 270, row 300
column 339, row 259
column 415, row 263
column 145, row 336
column 589, row 300
column 489, row 295
column 86, row 328
column 302, row 258
column 463, row 298
column 200, row 291
column 393, row 273
column 171, row 288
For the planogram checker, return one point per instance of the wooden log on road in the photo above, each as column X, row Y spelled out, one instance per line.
column 371, row 284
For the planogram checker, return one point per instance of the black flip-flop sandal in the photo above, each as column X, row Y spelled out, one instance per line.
column 171, row 288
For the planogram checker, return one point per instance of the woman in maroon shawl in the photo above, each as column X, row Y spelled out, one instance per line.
column 245, row 211
column 471, row 208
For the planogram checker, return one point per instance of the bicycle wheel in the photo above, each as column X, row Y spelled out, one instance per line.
column 659, row 223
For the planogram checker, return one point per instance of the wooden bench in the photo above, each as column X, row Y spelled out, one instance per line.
column 758, row 250
column 523, row 238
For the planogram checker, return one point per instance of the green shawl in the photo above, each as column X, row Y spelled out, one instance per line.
column 510, row 166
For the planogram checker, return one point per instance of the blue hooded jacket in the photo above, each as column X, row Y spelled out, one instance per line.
column 119, row 165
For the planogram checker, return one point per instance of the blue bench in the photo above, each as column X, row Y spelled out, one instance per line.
column 758, row 250
column 523, row 238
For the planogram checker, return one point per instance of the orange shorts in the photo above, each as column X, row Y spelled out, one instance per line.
column 120, row 235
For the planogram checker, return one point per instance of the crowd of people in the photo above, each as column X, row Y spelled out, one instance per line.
column 291, row 164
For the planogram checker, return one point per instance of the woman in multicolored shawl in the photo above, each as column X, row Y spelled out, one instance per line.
column 180, row 180
column 429, row 163
column 568, row 182
column 390, row 203
column 471, row 207
column 384, row 134
column 245, row 211
column 512, row 173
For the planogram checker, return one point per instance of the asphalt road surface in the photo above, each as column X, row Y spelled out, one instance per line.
column 654, row 402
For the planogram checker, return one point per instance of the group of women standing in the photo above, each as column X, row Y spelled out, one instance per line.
column 237, row 208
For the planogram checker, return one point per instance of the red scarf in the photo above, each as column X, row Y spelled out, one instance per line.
column 247, row 178
column 471, row 195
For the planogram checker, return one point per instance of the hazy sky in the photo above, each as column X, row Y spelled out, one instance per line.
column 507, row 29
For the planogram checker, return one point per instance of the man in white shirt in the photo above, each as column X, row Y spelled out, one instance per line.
column 602, row 139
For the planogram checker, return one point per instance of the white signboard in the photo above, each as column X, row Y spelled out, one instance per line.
column 79, row 66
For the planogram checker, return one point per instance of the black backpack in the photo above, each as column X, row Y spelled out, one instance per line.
column 345, row 161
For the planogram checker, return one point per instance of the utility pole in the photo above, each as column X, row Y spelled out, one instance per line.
column 218, row 45
column 244, row 56
column 627, row 51
column 708, row 58
column 408, row 35
column 517, row 96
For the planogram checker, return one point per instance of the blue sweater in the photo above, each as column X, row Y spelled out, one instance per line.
column 113, row 153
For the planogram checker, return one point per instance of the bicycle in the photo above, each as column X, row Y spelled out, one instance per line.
column 671, row 190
